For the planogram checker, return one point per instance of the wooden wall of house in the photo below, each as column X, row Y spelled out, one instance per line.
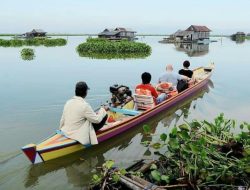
column 200, row 35
column 195, row 36
column 126, row 34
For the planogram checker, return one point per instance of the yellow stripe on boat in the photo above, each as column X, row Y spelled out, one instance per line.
column 61, row 152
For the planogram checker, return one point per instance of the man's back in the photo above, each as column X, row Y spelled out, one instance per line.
column 74, row 113
column 148, row 87
column 170, row 77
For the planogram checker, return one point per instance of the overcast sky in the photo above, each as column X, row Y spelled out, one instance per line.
column 144, row 16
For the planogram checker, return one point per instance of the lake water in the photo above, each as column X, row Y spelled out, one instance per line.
column 33, row 94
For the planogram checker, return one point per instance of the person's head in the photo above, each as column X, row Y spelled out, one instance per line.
column 146, row 78
column 81, row 89
column 169, row 67
column 186, row 64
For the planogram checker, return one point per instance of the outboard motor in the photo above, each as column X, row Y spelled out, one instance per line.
column 120, row 95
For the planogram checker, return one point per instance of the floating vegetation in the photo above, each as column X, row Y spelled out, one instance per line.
column 54, row 42
column 196, row 155
column 99, row 48
column 247, row 37
column 33, row 42
column 27, row 54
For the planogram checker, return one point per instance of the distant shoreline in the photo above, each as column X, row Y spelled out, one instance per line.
column 96, row 35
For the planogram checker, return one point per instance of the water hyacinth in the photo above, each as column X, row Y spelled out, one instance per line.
column 27, row 54
column 106, row 49
column 33, row 42
column 194, row 155
column 204, row 154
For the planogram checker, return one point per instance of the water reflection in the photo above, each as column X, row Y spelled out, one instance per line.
column 79, row 167
column 192, row 49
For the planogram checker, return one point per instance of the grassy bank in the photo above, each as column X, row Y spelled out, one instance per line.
column 33, row 42
column 106, row 49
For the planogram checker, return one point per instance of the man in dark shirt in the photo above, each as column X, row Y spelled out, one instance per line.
column 186, row 71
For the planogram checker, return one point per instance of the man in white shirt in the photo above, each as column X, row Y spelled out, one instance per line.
column 78, row 117
column 171, row 77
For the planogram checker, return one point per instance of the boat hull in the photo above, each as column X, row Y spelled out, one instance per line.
column 148, row 114
column 58, row 145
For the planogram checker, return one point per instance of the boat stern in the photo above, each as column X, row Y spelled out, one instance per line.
column 31, row 153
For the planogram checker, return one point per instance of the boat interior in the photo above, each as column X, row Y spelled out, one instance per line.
column 120, row 114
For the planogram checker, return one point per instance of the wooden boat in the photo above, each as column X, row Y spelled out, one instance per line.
column 57, row 145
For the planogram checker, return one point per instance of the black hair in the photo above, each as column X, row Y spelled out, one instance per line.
column 186, row 64
column 81, row 89
column 80, row 92
column 146, row 78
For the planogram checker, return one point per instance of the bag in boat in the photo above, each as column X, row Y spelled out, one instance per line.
column 182, row 85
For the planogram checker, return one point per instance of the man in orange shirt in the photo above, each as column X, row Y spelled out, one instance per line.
column 146, row 78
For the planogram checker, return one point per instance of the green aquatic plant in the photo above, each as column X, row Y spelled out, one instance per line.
column 100, row 48
column 5, row 43
column 204, row 154
column 27, row 54
column 54, row 42
column 193, row 155
column 247, row 37
column 33, row 42
column 108, row 177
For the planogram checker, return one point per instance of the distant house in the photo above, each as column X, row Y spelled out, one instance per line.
column 182, row 35
column 35, row 33
column 192, row 33
column 117, row 33
column 239, row 36
column 199, row 32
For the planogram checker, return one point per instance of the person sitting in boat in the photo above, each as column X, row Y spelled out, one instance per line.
column 172, row 77
column 79, row 121
column 186, row 71
column 146, row 79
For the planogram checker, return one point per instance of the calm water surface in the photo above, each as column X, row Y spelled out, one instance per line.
column 33, row 94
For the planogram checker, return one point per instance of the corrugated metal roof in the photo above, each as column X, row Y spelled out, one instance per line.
column 38, row 31
column 125, row 29
column 197, row 28
column 182, row 33
column 109, row 33
column 240, row 33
